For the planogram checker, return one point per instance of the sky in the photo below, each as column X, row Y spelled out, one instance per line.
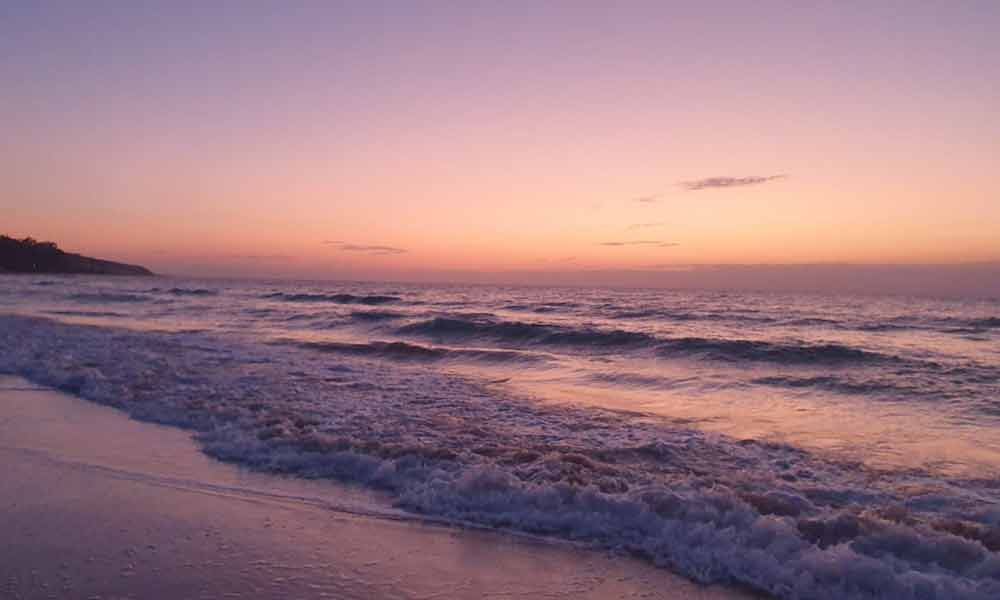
column 467, row 139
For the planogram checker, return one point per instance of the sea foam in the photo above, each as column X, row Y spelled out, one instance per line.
column 764, row 515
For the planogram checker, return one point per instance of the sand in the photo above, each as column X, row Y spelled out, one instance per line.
column 94, row 505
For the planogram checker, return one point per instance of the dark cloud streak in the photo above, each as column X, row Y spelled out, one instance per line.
column 366, row 248
column 709, row 183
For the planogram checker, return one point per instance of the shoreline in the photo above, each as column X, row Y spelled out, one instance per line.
column 96, row 504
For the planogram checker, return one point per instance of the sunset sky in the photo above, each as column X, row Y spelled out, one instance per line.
column 397, row 138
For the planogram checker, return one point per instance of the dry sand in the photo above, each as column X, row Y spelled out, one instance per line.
column 96, row 505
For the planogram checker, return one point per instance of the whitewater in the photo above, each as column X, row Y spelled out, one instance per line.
column 807, row 446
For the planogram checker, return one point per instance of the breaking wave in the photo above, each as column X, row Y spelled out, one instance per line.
column 464, row 329
column 764, row 515
column 455, row 329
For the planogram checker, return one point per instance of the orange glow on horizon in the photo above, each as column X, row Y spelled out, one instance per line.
column 468, row 153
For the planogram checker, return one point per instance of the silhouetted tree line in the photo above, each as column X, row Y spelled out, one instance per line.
column 28, row 255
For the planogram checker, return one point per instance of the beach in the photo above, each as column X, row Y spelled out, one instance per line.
column 96, row 505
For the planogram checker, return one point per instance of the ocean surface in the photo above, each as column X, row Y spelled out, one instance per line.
column 809, row 446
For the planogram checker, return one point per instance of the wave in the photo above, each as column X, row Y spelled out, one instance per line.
column 683, row 316
column 834, row 384
column 812, row 322
column 407, row 351
column 754, row 351
column 542, row 334
column 260, row 312
column 931, row 381
column 543, row 307
column 970, row 333
column 192, row 292
column 102, row 297
column 562, row 304
column 301, row 317
column 84, row 313
column 335, row 298
column 945, row 324
column 841, row 385
column 939, row 325
column 625, row 378
column 531, row 308
column 767, row 516
column 899, row 323
column 987, row 323
column 397, row 350
column 518, row 332
column 653, row 313
column 376, row 315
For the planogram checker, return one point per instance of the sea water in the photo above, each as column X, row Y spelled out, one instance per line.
column 807, row 445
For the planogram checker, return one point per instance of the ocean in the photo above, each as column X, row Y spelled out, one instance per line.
column 804, row 445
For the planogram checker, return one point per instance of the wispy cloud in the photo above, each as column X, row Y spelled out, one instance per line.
column 653, row 243
column 365, row 248
column 636, row 226
column 709, row 183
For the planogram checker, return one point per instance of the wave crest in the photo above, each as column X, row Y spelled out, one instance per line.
column 192, row 292
column 753, row 350
column 407, row 351
column 373, row 299
column 462, row 329
column 518, row 332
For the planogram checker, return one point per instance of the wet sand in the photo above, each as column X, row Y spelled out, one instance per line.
column 94, row 505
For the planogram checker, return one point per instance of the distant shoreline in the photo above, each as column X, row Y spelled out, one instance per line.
column 29, row 256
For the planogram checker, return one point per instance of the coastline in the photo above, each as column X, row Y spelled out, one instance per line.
column 100, row 505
